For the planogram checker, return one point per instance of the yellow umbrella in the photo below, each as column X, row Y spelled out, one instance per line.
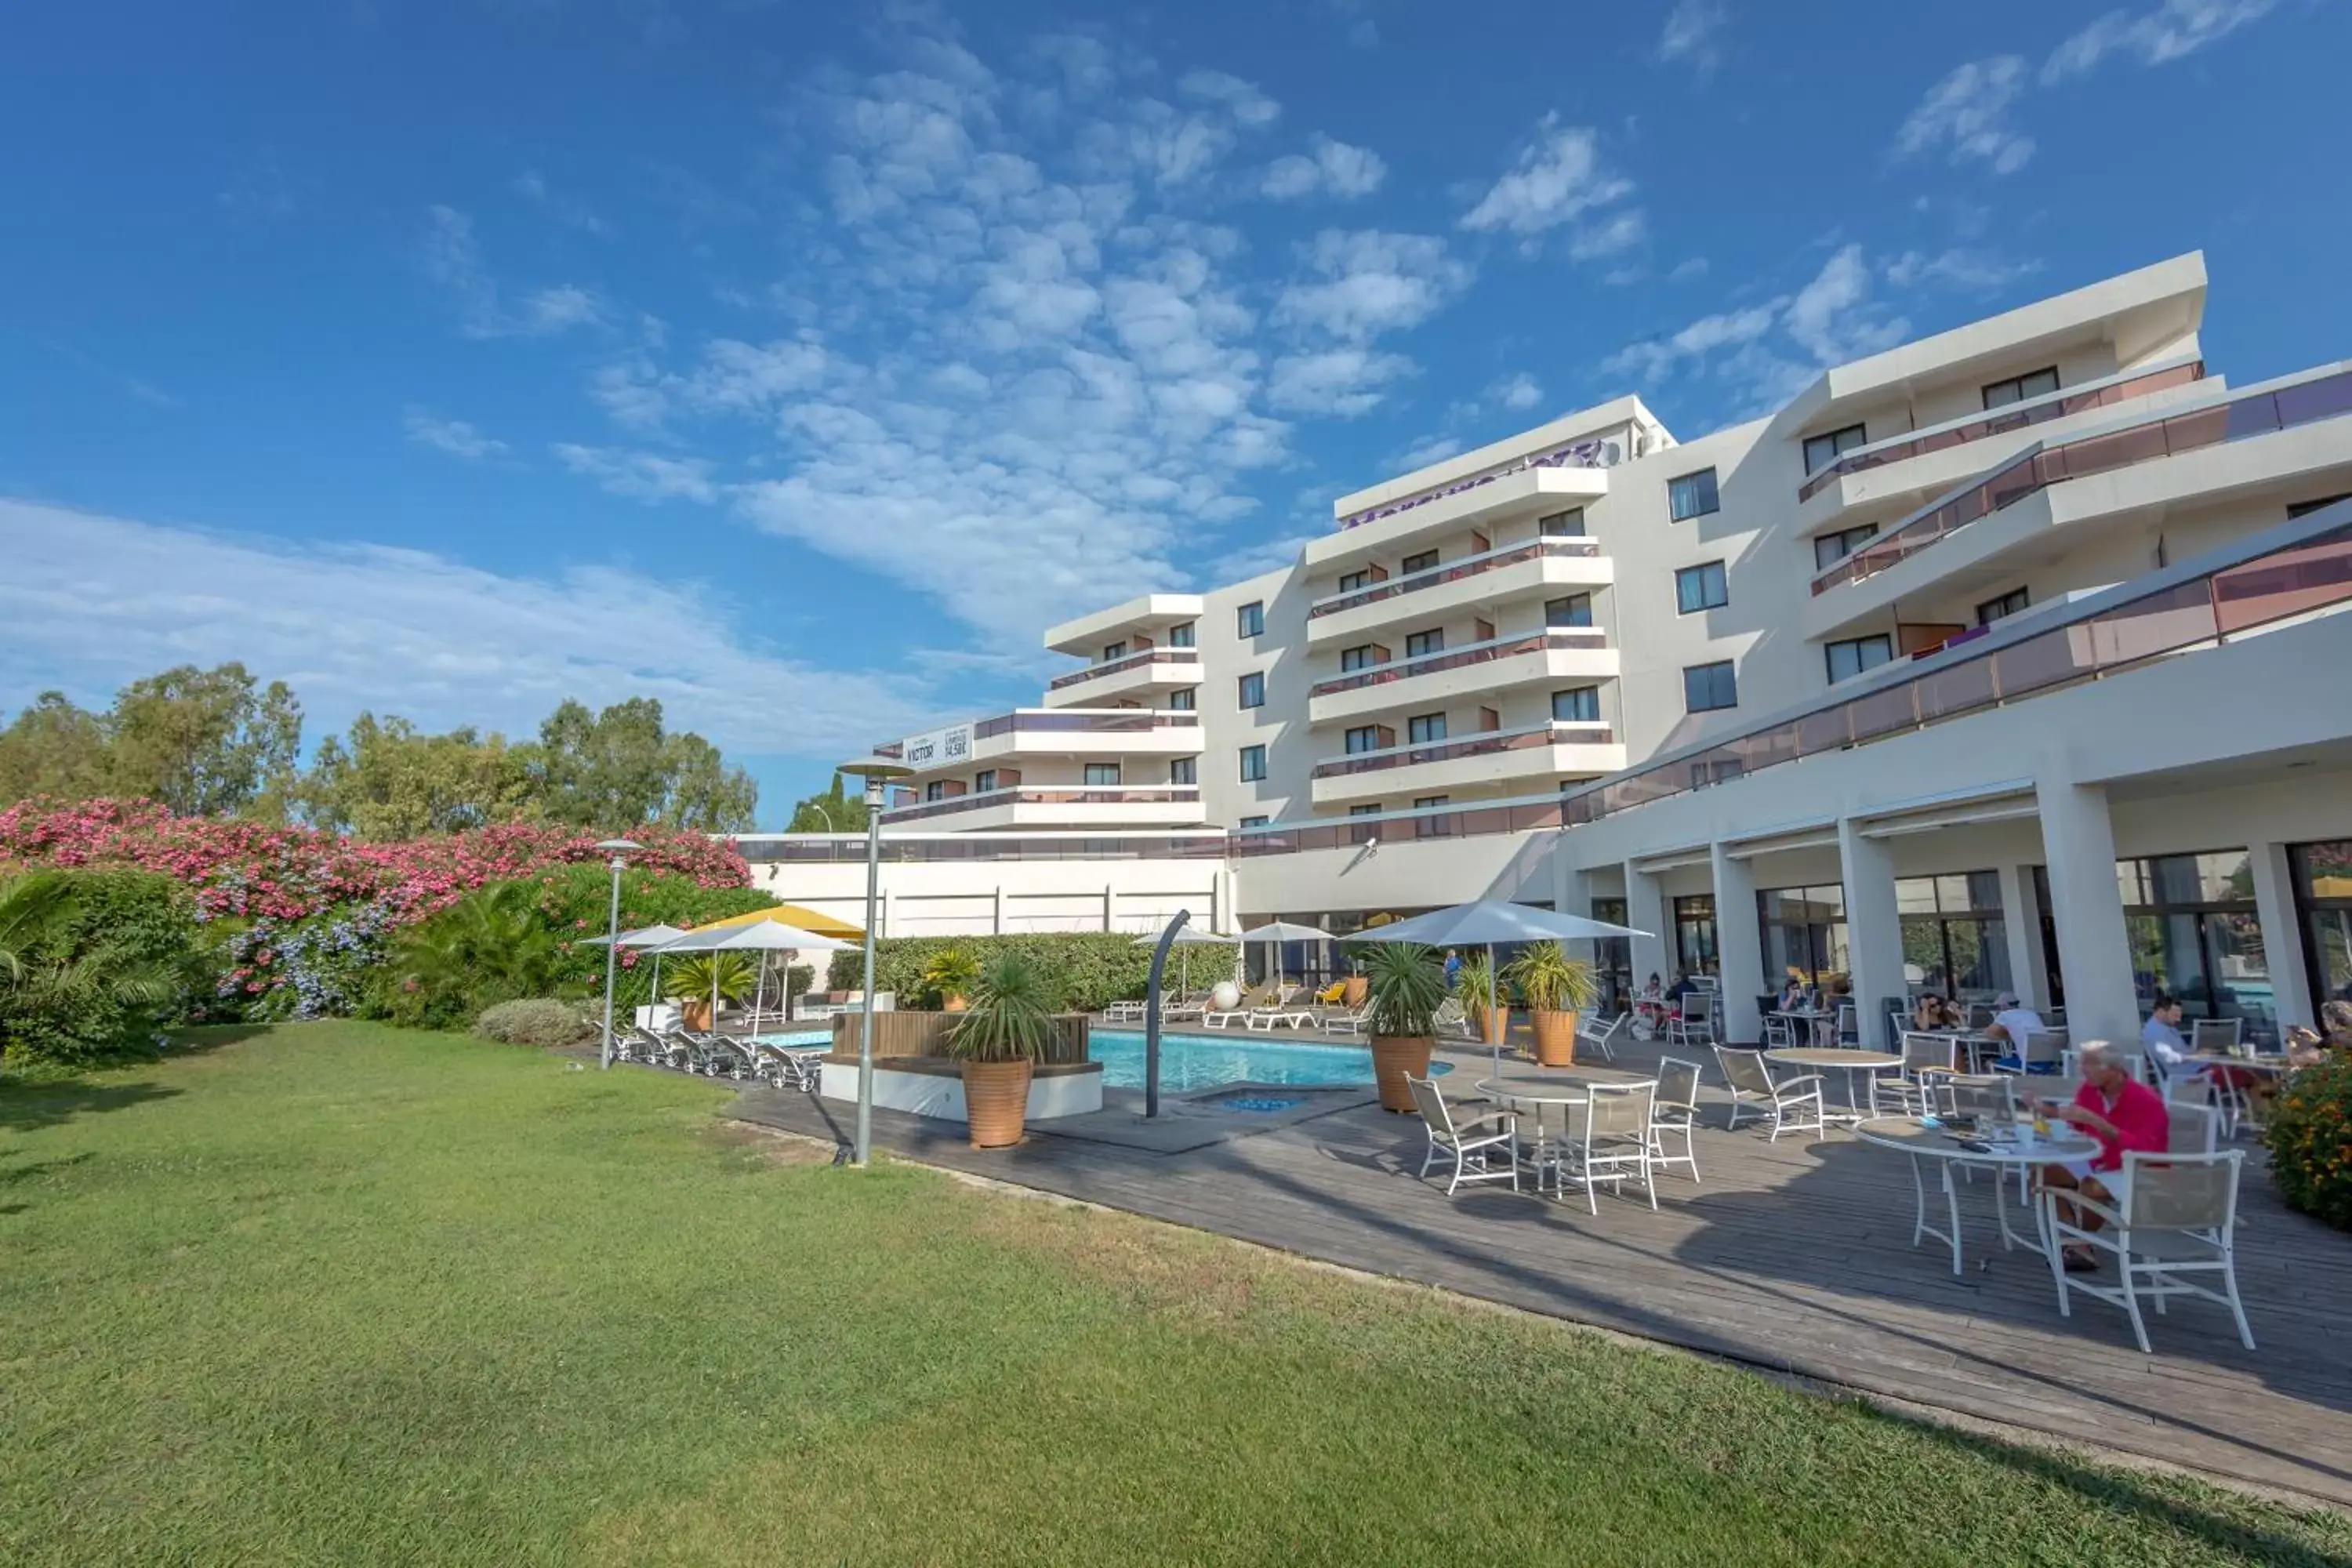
column 807, row 919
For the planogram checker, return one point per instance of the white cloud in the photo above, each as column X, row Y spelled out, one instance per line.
column 1977, row 271
column 1967, row 112
column 1690, row 34
column 1619, row 232
column 91, row 600
column 641, row 476
column 1345, row 383
column 1421, row 454
column 1244, row 100
column 454, row 436
column 2174, row 29
column 1831, row 317
column 1688, row 270
column 1516, row 393
column 533, row 188
column 453, row 258
column 1653, row 359
column 1328, row 166
column 1368, row 281
column 1558, row 175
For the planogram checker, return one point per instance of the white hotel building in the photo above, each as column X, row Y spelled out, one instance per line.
column 2005, row 659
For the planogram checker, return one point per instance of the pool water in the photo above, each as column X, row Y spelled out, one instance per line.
column 1204, row 1061
column 799, row 1038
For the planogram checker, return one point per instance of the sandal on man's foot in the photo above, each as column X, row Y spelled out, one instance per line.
column 2077, row 1262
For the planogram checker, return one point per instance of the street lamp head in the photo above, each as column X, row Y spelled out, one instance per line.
column 618, row 846
column 877, row 773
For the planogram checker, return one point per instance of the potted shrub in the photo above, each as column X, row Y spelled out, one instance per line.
column 1405, row 986
column 1475, row 982
column 949, row 976
column 689, row 983
column 1557, row 988
column 1006, row 1027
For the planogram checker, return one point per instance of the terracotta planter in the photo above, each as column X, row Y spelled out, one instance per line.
column 1555, row 1037
column 953, row 1004
column 1394, row 1058
column 996, row 1101
column 1493, row 1023
column 695, row 1015
column 1352, row 997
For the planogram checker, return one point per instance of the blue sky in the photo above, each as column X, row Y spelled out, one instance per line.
column 797, row 364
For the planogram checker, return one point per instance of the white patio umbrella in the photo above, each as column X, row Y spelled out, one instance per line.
column 1278, row 931
column 1187, row 936
column 1486, row 922
column 760, row 936
column 652, row 936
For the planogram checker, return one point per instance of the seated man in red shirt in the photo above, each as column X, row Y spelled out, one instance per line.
column 2123, row 1114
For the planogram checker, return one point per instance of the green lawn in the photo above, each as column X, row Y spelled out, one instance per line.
column 331, row 1292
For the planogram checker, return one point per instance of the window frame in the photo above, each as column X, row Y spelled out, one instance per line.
column 1412, row 638
column 1829, row 653
column 1349, row 663
column 1246, row 823
column 1249, row 620
column 1985, row 391
column 1184, row 635
column 1713, row 494
column 1419, row 560
column 1351, row 582
column 1250, row 755
column 1592, row 693
column 1708, row 670
column 1839, row 444
column 1370, row 732
column 1184, row 771
column 1569, row 600
column 1575, row 515
column 1088, row 779
column 1721, row 582
column 1251, row 682
column 1184, row 700
column 2025, row 603
column 1113, row 651
column 1417, row 733
column 1854, row 539
column 984, row 782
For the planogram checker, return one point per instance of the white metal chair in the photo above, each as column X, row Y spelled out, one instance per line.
column 1674, row 1113
column 1794, row 1104
column 1926, row 1058
column 2191, row 1128
column 1471, row 1142
column 2174, row 1218
column 1602, row 1035
column 1776, row 1036
column 1692, row 1026
column 2043, row 1051
column 1613, row 1143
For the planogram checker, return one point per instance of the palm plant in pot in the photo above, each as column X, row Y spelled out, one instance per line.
column 1006, row 1028
column 693, row 980
column 1481, row 990
column 1405, row 986
column 1557, row 988
column 949, row 977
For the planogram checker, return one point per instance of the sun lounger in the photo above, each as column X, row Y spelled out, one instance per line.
column 1225, row 1017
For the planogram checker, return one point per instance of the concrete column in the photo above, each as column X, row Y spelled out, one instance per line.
column 2282, row 935
column 2020, row 921
column 2079, row 839
column 1739, row 945
column 1874, row 930
column 1646, row 910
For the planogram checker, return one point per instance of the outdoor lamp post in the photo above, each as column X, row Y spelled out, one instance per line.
column 877, row 773
column 618, row 848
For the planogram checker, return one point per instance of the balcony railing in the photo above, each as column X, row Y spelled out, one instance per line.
column 1590, row 453
column 1453, row 571
column 849, row 848
column 1485, row 743
column 1081, row 721
column 1133, row 661
column 1462, row 657
column 2214, row 423
column 1066, row 794
column 2109, row 635
column 2014, row 416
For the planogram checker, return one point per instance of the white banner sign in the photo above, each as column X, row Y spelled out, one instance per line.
column 940, row 749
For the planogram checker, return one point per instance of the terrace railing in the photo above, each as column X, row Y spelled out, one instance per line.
column 1150, row 656
column 1453, row 571
column 904, row 849
column 1065, row 794
column 1485, row 743
column 1549, row 640
column 1079, row 722
column 2012, row 417
column 1590, row 453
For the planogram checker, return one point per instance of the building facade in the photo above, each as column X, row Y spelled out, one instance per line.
column 2005, row 659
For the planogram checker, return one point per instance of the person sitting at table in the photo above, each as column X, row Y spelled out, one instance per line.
column 2336, row 1022
column 2011, row 1021
column 2161, row 1037
column 1792, row 995
column 2124, row 1115
column 1927, row 1012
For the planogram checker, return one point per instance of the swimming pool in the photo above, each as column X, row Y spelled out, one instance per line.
column 1204, row 1061
column 798, row 1037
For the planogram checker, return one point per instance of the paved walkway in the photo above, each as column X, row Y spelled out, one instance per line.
column 1795, row 1256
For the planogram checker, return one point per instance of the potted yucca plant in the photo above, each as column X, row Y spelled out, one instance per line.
column 949, row 976
column 1006, row 1028
column 693, row 980
column 1482, row 997
column 1405, row 986
column 1557, row 988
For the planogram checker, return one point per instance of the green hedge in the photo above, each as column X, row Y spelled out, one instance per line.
column 2310, row 1140
column 118, row 924
column 1083, row 971
column 577, row 902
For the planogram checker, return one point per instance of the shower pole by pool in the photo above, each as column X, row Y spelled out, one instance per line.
column 1151, row 1015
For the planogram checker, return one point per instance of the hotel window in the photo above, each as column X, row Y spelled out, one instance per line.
column 1432, row 826
column 1253, row 689
column 1803, row 929
column 1252, row 764
column 1180, row 636
column 1424, row 562
column 1371, row 810
column 1351, row 581
column 1695, row 935
column 1701, row 588
column 1101, row 774
column 1953, row 934
column 1424, row 729
column 2009, row 604
column 1562, row 525
column 1576, row 610
column 1832, row 548
column 1180, row 701
column 1247, row 823
column 936, row 790
column 2194, row 933
column 1710, row 688
column 1693, row 495
column 1419, row 643
column 2018, row 388
column 983, row 781
column 1356, row 658
column 1184, row 769
column 1249, row 621
column 1112, row 650
column 1576, row 705
column 1364, row 738
column 1823, row 450
column 1855, row 654
column 2323, row 896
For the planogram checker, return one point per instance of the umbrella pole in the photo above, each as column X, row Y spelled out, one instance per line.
column 1490, row 1012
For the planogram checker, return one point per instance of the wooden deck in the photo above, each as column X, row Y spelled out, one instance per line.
column 1794, row 1256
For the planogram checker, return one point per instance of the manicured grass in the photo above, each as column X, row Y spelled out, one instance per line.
column 331, row 1292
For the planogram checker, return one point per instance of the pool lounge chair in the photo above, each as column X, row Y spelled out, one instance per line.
column 1262, row 1020
column 1453, row 1022
column 1225, row 1017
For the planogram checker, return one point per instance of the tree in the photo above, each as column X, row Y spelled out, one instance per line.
column 204, row 742
column 617, row 770
column 393, row 782
column 55, row 749
column 832, row 811
column 706, row 796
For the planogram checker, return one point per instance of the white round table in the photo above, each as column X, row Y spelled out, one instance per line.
column 1838, row 1058
column 1569, row 1089
column 2001, row 1151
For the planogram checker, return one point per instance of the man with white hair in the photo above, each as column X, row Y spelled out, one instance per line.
column 2124, row 1115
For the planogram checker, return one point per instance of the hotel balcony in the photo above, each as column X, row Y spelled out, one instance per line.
column 1434, row 679
column 1538, row 569
column 1903, row 470
column 1527, row 491
column 1094, row 733
column 2054, row 499
column 1530, row 758
column 1056, row 805
column 1139, row 677
column 1143, row 620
